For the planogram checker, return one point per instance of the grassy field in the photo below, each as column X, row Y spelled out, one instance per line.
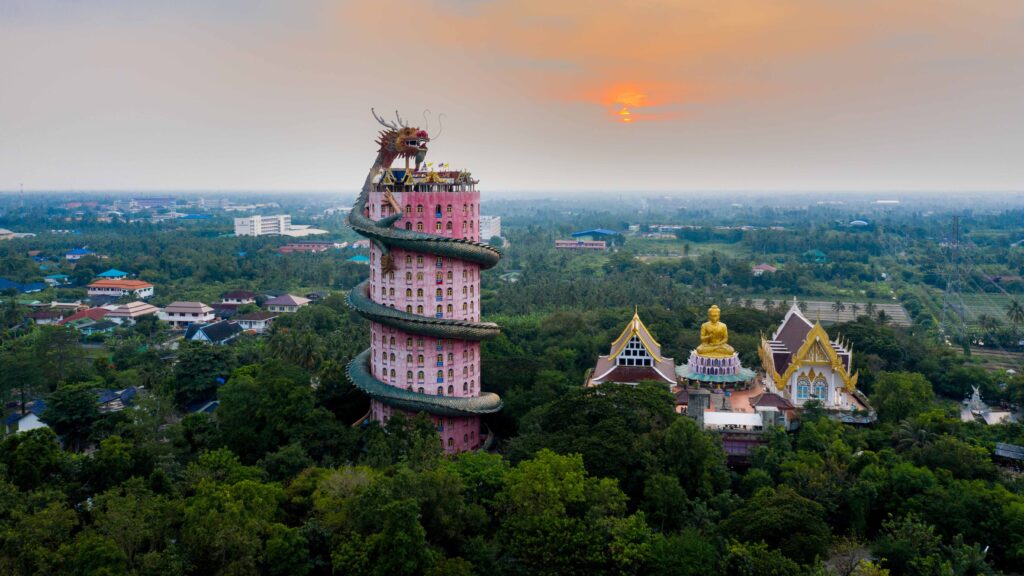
column 822, row 310
column 674, row 248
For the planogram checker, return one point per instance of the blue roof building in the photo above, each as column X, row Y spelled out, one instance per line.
column 359, row 259
column 596, row 233
column 113, row 274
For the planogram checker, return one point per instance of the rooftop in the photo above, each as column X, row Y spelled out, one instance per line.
column 123, row 284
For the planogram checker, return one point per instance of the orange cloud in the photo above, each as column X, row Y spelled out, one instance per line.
column 658, row 55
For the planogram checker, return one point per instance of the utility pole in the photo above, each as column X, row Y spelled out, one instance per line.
column 951, row 297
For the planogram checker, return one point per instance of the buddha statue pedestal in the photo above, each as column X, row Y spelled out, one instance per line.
column 715, row 361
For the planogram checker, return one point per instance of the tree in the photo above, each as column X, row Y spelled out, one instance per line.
column 199, row 370
column 784, row 520
column 1015, row 313
column 901, row 394
column 71, row 411
column 758, row 560
column 870, row 308
column 989, row 324
column 838, row 306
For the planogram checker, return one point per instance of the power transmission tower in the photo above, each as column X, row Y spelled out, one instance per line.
column 951, row 297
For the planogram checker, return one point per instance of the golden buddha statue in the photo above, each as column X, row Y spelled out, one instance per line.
column 714, row 336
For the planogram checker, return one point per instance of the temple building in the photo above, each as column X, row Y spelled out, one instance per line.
column 635, row 357
column 802, row 363
column 422, row 297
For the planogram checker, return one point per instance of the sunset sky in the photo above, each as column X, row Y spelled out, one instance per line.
column 539, row 95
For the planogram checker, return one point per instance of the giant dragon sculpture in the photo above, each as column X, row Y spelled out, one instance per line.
column 398, row 140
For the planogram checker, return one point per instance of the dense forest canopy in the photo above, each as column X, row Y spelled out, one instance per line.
column 613, row 480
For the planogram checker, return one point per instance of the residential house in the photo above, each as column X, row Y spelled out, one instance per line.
column 108, row 400
column 764, row 269
column 6, row 284
column 207, row 406
column 84, row 317
column 30, row 420
column 77, row 254
column 181, row 314
column 287, row 303
column 101, row 327
column 57, row 279
column 258, row 322
column 132, row 311
column 113, row 274
column 216, row 333
column 239, row 297
column 47, row 317
column 121, row 288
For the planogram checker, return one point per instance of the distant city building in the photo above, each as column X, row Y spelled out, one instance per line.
column 635, row 357
column 280, row 225
column 581, row 244
column 305, row 247
column 610, row 236
column 120, row 288
column 262, row 225
column 490, row 226
column 182, row 314
column 137, row 204
column 287, row 303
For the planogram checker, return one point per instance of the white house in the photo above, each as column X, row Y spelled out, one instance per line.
column 258, row 322
column 120, row 288
column 287, row 303
column 181, row 314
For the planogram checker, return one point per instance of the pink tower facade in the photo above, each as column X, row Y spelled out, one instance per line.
column 433, row 287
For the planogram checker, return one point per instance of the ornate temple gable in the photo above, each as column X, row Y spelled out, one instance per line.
column 819, row 353
column 635, row 356
column 636, row 329
column 818, row 350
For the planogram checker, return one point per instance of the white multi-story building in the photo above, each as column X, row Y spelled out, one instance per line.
column 181, row 314
column 263, row 225
column 490, row 226
column 119, row 288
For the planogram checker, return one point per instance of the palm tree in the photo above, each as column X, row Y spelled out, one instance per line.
column 883, row 318
column 1015, row 313
column 870, row 308
column 748, row 303
column 911, row 435
column 768, row 304
column 838, row 306
column 988, row 323
column 854, row 308
column 802, row 306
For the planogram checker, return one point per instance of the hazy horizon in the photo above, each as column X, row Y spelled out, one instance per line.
column 730, row 96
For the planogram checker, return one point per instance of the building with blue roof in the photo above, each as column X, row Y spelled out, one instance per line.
column 360, row 259
column 113, row 274
column 30, row 420
column 76, row 254
column 610, row 237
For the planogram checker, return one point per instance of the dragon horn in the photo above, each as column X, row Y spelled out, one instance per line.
column 426, row 120
column 400, row 121
column 383, row 122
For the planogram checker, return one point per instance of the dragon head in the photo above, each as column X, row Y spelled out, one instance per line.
column 401, row 141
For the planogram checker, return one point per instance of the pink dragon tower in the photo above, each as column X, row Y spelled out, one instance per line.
column 423, row 294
